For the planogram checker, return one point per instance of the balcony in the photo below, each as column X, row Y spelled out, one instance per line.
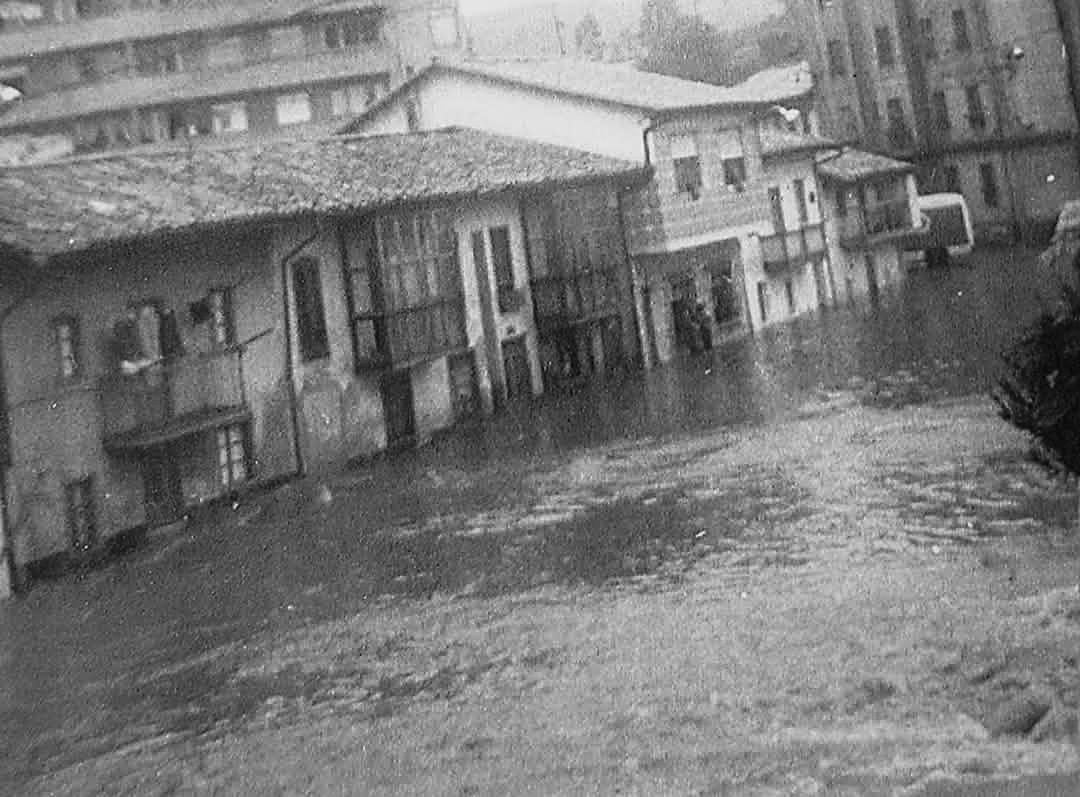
column 168, row 401
column 565, row 300
column 409, row 335
column 876, row 222
column 794, row 248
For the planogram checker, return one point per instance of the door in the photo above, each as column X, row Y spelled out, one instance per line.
column 516, row 365
column 871, row 279
column 161, row 486
column 397, row 398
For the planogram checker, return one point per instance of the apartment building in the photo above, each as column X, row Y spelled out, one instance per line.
column 114, row 73
column 976, row 92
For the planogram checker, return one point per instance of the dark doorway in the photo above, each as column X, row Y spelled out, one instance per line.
column 161, row 483
column 397, row 398
column 871, row 279
column 516, row 365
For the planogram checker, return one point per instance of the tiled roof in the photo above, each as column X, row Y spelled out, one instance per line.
column 157, row 90
column 778, row 83
column 79, row 204
column 853, row 165
column 776, row 142
column 221, row 15
column 615, row 84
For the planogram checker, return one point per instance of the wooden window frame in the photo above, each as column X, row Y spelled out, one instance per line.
column 227, row 439
column 223, row 318
column 81, row 510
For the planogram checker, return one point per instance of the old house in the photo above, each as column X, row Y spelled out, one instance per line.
column 871, row 217
column 178, row 325
column 692, row 230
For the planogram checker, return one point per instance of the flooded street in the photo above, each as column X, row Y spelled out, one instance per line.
column 808, row 562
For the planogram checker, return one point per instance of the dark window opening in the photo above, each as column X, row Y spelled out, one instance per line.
column 837, row 58
column 688, row 176
column 952, row 180
column 66, row 329
column 988, row 177
column 503, row 264
column 976, row 112
column 884, row 44
column 961, row 39
column 310, row 312
column 735, row 173
column 926, row 35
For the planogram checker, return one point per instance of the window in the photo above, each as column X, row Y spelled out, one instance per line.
column 66, row 329
column 503, row 264
column 293, row 108
column 412, row 116
column 350, row 31
column 310, row 314
column 735, row 174
column 232, row 455
column 800, row 200
column 975, row 109
column 841, row 202
column 688, row 176
column 899, row 134
column 849, row 125
column 789, row 289
column 228, row 117
column 351, row 99
column 926, row 37
column 81, row 519
column 988, row 178
column 332, row 36
column 763, row 301
column 222, row 326
column 952, row 180
column 940, row 110
column 961, row 40
column 837, row 59
column 883, row 41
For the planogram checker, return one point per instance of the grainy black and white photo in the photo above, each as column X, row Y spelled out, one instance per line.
column 540, row 397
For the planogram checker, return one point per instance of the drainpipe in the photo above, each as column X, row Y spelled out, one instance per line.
column 637, row 295
column 290, row 368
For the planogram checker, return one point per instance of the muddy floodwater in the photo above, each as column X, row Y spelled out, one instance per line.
column 437, row 606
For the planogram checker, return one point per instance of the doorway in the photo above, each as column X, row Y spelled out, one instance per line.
column 397, row 399
column 161, row 486
column 516, row 367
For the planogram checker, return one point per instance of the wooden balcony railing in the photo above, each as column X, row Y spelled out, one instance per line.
column 167, row 400
column 881, row 219
column 412, row 334
column 564, row 299
column 792, row 248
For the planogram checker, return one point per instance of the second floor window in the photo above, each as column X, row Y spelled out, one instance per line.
column 961, row 39
column 899, row 134
column 926, row 36
column 502, row 262
column 222, row 327
column 988, row 177
column 975, row 109
column 66, row 329
column 687, row 164
column 883, row 41
column 837, row 59
column 735, row 174
column 293, row 109
column 940, row 109
column 228, row 117
column 310, row 312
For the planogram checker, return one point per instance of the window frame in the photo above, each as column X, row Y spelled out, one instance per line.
column 961, row 34
column 502, row 267
column 286, row 99
column 884, row 48
column 735, row 173
column 233, row 470
column 988, row 185
column 688, row 176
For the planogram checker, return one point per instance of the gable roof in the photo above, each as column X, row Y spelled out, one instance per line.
column 778, row 142
column 619, row 85
column 854, row 165
column 24, row 43
column 80, row 204
column 158, row 90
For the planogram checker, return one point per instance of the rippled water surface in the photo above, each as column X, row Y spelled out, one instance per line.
column 551, row 492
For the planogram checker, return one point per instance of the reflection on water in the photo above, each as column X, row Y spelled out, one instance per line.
column 86, row 660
